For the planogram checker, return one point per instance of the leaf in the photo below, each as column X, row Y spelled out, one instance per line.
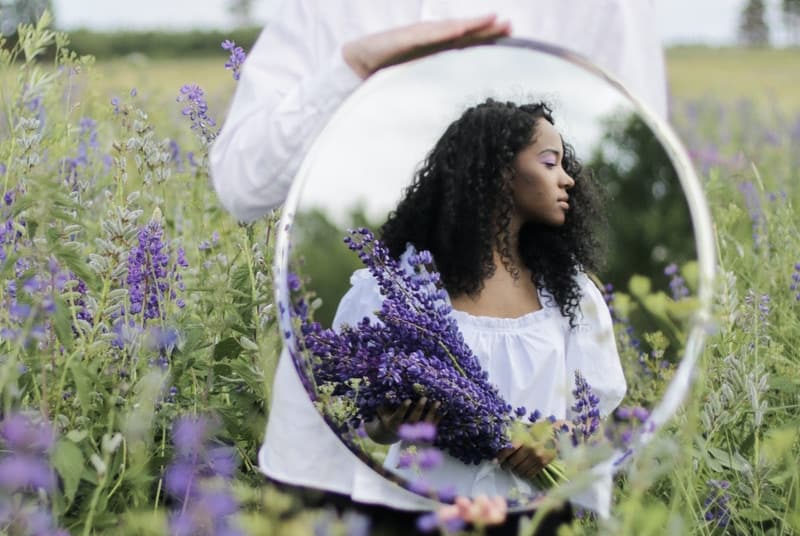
column 68, row 461
column 62, row 322
column 726, row 459
column 227, row 349
column 639, row 286
column 656, row 304
column 77, row 265
column 76, row 436
column 755, row 514
column 784, row 384
column 83, row 387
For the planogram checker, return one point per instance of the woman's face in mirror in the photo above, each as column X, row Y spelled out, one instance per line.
column 539, row 183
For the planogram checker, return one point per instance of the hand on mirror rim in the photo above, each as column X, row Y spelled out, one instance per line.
column 368, row 54
column 383, row 429
column 524, row 460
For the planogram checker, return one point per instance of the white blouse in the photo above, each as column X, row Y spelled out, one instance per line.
column 532, row 360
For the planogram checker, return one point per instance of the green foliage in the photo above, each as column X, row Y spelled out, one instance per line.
column 325, row 259
column 159, row 44
column 651, row 227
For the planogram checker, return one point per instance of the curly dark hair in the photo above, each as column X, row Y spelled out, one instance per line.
column 460, row 205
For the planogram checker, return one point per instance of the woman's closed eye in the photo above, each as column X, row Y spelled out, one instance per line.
column 550, row 163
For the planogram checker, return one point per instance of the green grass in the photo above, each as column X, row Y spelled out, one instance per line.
column 769, row 76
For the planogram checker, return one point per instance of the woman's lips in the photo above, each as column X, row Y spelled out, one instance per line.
column 563, row 204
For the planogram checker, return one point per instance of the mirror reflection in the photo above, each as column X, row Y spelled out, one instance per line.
column 490, row 267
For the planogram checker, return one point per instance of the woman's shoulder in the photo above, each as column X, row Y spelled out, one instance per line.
column 593, row 308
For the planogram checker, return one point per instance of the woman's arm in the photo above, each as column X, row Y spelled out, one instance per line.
column 294, row 78
column 286, row 92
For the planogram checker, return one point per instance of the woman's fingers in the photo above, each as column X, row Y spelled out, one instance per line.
column 433, row 416
column 369, row 53
column 517, row 459
column 529, row 467
column 448, row 32
column 410, row 412
column 504, row 457
column 393, row 419
column 415, row 415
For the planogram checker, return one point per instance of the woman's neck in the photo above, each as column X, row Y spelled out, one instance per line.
column 505, row 294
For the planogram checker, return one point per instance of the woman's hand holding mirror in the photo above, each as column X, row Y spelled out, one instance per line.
column 368, row 54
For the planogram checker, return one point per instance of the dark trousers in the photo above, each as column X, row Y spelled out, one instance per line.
column 385, row 521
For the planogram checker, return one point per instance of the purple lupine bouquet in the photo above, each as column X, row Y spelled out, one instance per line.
column 414, row 350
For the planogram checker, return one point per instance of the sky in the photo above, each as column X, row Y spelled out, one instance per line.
column 711, row 22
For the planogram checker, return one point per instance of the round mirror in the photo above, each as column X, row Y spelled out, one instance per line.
column 493, row 259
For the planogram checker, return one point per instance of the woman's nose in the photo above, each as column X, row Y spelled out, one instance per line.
column 567, row 181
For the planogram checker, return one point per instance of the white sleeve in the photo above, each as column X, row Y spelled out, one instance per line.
column 291, row 82
column 363, row 299
column 592, row 349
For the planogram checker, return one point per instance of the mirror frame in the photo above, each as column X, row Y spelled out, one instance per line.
column 701, row 323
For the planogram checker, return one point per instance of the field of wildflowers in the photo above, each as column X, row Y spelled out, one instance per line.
column 138, row 337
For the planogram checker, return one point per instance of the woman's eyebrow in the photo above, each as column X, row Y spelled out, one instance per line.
column 550, row 150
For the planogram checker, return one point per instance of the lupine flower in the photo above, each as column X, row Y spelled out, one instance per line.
column 152, row 278
column 416, row 334
column 586, row 407
column 175, row 155
column 628, row 420
column 9, row 233
column 196, row 109
column 236, row 58
column 24, row 470
column 796, row 281
column 676, row 283
column 205, row 245
column 716, row 503
column 199, row 480
column 763, row 304
column 608, row 297
column 418, row 432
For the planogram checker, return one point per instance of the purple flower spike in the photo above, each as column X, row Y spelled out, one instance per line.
column 193, row 479
column 641, row 414
column 196, row 110
column 427, row 522
column 405, row 460
column 716, row 503
column 153, row 275
column 586, row 407
column 236, row 58
column 624, row 413
column 419, row 432
column 20, row 433
column 430, row 459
